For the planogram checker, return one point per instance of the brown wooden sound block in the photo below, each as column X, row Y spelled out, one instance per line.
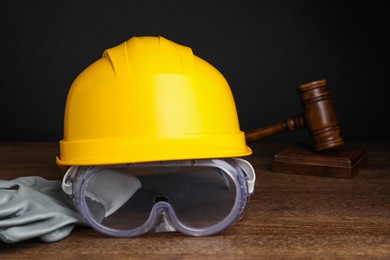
column 341, row 162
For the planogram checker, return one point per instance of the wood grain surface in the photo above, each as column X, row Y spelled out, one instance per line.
column 289, row 216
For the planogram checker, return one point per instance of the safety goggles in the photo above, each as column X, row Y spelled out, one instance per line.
column 195, row 197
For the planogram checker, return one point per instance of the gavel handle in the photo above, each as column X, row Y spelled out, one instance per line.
column 290, row 124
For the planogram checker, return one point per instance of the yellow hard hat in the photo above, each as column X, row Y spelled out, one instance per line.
column 149, row 99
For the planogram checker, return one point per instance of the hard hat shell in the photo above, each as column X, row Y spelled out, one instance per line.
column 149, row 99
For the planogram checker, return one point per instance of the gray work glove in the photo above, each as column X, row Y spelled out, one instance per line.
column 35, row 207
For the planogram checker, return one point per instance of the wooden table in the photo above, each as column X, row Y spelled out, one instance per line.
column 288, row 216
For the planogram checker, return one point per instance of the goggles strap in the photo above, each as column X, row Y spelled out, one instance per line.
column 249, row 171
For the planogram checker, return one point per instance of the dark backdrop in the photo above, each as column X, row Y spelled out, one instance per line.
column 265, row 49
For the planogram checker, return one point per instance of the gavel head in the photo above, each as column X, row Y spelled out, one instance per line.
column 319, row 115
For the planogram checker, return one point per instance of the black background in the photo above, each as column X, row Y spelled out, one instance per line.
column 265, row 49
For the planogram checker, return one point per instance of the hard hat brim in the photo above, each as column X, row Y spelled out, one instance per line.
column 133, row 150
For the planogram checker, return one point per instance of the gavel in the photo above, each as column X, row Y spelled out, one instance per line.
column 318, row 117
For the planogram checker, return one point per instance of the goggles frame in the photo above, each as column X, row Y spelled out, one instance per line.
column 240, row 171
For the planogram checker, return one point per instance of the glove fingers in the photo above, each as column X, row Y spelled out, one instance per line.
column 34, row 207
column 19, row 233
column 10, row 209
column 57, row 234
column 4, row 184
column 34, row 182
column 39, row 229
column 24, row 218
column 5, row 196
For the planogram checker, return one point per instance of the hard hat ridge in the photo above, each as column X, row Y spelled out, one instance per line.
column 149, row 54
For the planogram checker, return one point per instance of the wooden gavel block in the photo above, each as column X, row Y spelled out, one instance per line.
column 328, row 156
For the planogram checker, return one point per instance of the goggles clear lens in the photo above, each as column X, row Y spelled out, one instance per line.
column 198, row 197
